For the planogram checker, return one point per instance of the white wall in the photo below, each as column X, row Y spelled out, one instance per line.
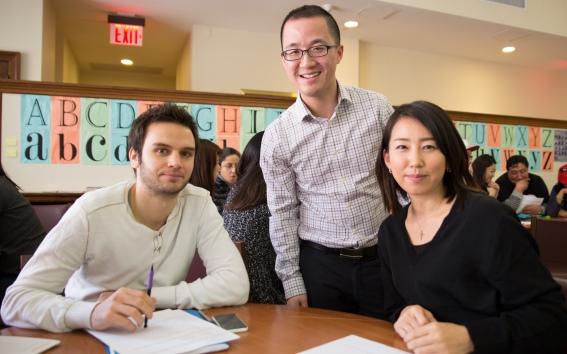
column 226, row 60
column 21, row 25
column 48, row 43
column 455, row 83
column 117, row 78
column 546, row 16
column 459, row 84
column 348, row 71
column 183, row 76
column 70, row 68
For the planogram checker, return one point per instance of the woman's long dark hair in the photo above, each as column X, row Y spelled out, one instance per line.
column 479, row 166
column 3, row 173
column 250, row 189
column 457, row 179
column 206, row 161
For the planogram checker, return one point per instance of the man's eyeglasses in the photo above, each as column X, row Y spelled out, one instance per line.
column 315, row 51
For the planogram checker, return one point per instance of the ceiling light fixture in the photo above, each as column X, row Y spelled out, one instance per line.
column 351, row 24
column 127, row 61
column 508, row 49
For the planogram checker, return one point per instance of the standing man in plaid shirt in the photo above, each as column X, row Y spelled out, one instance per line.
column 318, row 160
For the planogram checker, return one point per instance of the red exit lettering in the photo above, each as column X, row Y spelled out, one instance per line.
column 126, row 34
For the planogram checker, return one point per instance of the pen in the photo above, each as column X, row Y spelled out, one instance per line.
column 150, row 284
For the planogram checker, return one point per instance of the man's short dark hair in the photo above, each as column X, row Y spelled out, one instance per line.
column 166, row 112
column 308, row 11
column 516, row 159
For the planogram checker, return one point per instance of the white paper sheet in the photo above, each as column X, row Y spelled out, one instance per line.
column 208, row 349
column 353, row 344
column 169, row 331
column 26, row 345
column 529, row 199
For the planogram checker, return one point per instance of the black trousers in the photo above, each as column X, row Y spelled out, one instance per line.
column 342, row 284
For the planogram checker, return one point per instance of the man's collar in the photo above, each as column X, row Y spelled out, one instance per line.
column 303, row 111
column 130, row 200
column 344, row 94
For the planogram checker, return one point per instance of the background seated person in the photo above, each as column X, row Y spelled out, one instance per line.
column 557, row 204
column 226, row 177
column 483, row 170
column 20, row 231
column 517, row 182
column 103, row 247
column 460, row 273
column 246, row 218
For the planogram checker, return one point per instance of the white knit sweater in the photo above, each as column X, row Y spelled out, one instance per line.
column 99, row 246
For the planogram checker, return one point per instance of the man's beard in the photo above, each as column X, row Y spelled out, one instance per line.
column 154, row 185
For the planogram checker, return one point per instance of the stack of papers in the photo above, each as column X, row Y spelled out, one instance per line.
column 26, row 345
column 353, row 344
column 169, row 331
column 528, row 199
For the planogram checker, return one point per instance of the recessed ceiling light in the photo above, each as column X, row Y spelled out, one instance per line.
column 508, row 49
column 127, row 61
column 351, row 24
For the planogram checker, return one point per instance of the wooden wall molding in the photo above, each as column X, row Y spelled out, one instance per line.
column 500, row 119
column 135, row 93
column 52, row 198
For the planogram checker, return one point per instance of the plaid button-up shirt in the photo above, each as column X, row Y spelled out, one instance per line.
column 321, row 179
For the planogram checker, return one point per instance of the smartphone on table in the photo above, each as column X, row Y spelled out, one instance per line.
column 230, row 322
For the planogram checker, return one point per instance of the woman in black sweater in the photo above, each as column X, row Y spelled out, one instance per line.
column 20, row 231
column 460, row 273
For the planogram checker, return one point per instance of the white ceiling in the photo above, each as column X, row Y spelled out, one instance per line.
column 169, row 23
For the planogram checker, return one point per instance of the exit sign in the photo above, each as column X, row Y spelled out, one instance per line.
column 121, row 34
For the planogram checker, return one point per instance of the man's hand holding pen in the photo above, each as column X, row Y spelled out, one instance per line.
column 124, row 308
column 150, row 285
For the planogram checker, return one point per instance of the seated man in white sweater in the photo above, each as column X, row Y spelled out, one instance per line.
column 101, row 251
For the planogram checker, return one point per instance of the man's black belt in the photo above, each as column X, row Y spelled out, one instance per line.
column 352, row 253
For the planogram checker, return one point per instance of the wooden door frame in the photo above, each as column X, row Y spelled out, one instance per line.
column 12, row 59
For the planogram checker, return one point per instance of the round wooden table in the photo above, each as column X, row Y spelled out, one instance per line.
column 271, row 329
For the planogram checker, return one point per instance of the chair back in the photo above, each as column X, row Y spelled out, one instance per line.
column 551, row 237
column 50, row 214
column 197, row 268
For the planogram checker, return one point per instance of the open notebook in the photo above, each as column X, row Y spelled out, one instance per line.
column 26, row 345
column 169, row 331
